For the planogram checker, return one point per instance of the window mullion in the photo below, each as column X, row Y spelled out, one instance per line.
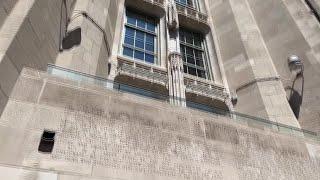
column 195, row 63
column 140, row 46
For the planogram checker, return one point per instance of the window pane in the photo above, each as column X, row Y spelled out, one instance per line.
column 151, row 27
column 189, row 38
column 182, row 36
column 190, row 60
column 149, row 39
column 150, row 58
column 140, row 35
column 193, row 57
column 128, row 41
column 189, row 2
column 189, row 51
column 141, row 23
column 185, row 69
column 182, row 49
column 201, row 73
column 182, row 1
column 200, row 63
column 139, row 44
column 197, row 41
column 192, row 71
column 150, row 47
column 198, row 54
column 184, row 59
column 128, row 52
column 131, row 19
column 129, row 32
column 138, row 55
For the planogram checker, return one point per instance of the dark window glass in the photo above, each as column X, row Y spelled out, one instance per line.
column 198, row 54
column 185, row 2
column 192, row 53
column 150, row 47
column 197, row 40
column 131, row 20
column 192, row 71
column 182, row 49
column 185, row 69
column 189, row 51
column 141, row 23
column 149, row 58
column 149, row 39
column 189, row 38
column 184, row 59
column 199, row 63
column 151, row 27
column 128, row 51
column 190, row 60
column 130, row 32
column 129, row 41
column 201, row 73
column 140, row 35
column 182, row 36
column 138, row 55
column 139, row 42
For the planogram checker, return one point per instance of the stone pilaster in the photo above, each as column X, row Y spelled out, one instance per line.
column 175, row 65
column 91, row 54
column 264, row 73
column 176, row 84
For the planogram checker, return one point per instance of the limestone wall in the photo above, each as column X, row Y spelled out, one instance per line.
column 30, row 36
column 97, row 33
column 292, row 29
column 5, row 8
column 104, row 134
column 251, row 33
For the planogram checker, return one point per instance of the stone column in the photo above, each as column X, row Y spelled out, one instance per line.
column 264, row 74
column 176, row 84
column 175, row 65
column 89, row 52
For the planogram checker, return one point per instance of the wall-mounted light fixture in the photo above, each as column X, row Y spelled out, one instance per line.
column 296, row 94
column 295, row 64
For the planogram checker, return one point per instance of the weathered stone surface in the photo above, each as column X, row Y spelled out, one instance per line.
column 107, row 134
column 103, row 134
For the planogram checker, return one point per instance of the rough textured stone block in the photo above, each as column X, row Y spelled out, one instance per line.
column 27, row 89
column 108, row 134
column 8, row 74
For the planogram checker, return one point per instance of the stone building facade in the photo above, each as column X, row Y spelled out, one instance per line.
column 159, row 89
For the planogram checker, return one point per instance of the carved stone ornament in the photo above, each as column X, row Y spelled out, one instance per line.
column 172, row 19
column 175, row 61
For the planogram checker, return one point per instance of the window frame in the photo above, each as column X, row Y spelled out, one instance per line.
column 194, row 5
column 202, row 48
column 156, row 34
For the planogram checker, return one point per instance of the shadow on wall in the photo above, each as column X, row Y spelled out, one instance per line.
column 63, row 22
column 72, row 38
column 6, row 7
column 295, row 98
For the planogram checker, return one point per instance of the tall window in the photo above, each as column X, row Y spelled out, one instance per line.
column 185, row 2
column 140, row 41
column 193, row 53
column 191, row 3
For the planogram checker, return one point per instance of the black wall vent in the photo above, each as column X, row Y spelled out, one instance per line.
column 47, row 141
